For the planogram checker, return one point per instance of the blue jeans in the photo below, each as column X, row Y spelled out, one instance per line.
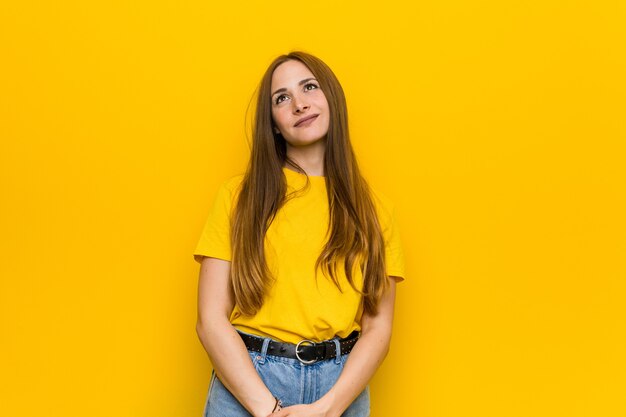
column 289, row 380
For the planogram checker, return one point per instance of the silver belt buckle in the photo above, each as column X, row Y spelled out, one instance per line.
column 312, row 343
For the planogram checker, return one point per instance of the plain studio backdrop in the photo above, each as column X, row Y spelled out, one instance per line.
column 497, row 128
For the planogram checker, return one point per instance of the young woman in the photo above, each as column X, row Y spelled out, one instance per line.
column 299, row 261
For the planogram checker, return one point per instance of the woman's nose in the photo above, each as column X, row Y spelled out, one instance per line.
column 299, row 106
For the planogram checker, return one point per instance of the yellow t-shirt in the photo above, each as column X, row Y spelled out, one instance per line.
column 299, row 305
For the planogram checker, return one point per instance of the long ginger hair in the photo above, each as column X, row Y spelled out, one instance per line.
column 354, row 233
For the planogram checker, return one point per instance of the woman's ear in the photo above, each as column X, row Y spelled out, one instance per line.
column 276, row 130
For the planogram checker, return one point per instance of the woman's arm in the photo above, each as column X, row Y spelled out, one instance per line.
column 365, row 358
column 223, row 344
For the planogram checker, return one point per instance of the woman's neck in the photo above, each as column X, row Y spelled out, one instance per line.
column 309, row 157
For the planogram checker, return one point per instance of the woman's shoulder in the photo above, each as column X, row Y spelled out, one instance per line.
column 382, row 202
column 233, row 183
column 228, row 189
column 385, row 207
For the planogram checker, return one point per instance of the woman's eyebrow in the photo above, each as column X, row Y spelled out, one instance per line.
column 281, row 90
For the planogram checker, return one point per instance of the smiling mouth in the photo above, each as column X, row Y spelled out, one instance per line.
column 305, row 120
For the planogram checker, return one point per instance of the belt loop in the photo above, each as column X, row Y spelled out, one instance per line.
column 338, row 350
column 266, row 343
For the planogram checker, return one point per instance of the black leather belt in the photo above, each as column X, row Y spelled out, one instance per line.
column 306, row 351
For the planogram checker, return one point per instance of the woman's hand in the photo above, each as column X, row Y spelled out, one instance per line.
column 302, row 410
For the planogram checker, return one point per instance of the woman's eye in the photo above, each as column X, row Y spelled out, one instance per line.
column 306, row 87
column 279, row 99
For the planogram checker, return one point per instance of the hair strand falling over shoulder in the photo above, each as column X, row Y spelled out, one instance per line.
column 354, row 233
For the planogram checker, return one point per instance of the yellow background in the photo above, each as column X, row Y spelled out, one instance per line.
column 497, row 128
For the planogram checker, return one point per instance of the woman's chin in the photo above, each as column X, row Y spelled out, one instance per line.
column 306, row 142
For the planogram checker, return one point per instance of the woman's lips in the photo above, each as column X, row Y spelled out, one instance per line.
column 305, row 121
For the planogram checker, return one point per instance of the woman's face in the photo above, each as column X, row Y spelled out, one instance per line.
column 299, row 107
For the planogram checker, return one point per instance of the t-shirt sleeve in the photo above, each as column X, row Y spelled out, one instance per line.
column 215, row 238
column 394, row 256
